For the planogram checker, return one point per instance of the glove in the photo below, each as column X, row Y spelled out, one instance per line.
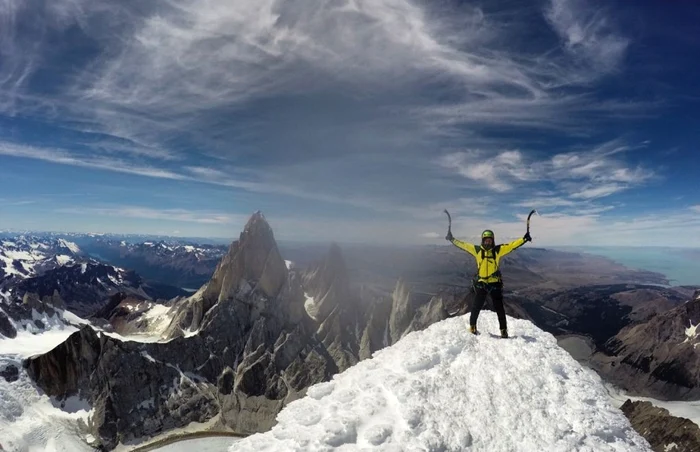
column 527, row 237
column 449, row 236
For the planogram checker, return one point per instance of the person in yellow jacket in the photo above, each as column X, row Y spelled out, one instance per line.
column 488, row 278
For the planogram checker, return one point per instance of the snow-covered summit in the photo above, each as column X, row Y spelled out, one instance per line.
column 27, row 256
column 445, row 389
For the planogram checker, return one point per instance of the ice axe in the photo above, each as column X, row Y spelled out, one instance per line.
column 449, row 222
column 528, row 219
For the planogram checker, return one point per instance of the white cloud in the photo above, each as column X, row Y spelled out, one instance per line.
column 695, row 208
column 494, row 170
column 430, row 235
column 63, row 157
column 587, row 33
column 590, row 174
column 173, row 215
column 600, row 191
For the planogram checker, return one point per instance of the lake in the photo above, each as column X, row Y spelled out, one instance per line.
column 680, row 265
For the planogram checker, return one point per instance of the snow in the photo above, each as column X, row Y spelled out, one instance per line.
column 690, row 332
column 62, row 259
column 74, row 319
column 158, row 320
column 21, row 255
column 670, row 447
column 446, row 389
column 289, row 264
column 27, row 344
column 189, row 248
column 310, row 306
column 72, row 247
column 30, row 421
column 83, row 268
column 212, row 444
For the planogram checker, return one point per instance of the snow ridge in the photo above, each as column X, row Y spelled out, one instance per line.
column 445, row 389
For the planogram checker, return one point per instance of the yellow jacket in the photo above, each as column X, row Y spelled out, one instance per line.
column 488, row 261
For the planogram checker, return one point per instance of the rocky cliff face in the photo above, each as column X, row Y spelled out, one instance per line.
column 335, row 308
column 658, row 357
column 664, row 432
column 30, row 313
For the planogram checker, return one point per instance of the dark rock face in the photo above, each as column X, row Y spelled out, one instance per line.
column 10, row 373
column 657, row 358
column 133, row 388
column 661, row 429
column 21, row 313
column 335, row 307
column 598, row 311
column 6, row 327
column 64, row 371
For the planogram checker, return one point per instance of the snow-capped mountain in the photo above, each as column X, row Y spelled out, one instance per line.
column 85, row 288
column 27, row 256
column 174, row 263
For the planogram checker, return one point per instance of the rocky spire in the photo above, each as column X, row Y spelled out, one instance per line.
column 328, row 286
column 254, row 260
column 253, row 265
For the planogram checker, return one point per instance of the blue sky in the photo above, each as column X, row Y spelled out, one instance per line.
column 353, row 120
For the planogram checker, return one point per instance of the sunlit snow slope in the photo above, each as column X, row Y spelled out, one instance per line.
column 30, row 421
column 445, row 389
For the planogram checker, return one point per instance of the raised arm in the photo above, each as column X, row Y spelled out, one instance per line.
column 512, row 246
column 468, row 247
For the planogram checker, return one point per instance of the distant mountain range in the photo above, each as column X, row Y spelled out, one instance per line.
column 172, row 263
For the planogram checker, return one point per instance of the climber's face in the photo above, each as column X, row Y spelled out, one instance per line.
column 487, row 242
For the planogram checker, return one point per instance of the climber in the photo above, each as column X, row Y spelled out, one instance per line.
column 488, row 276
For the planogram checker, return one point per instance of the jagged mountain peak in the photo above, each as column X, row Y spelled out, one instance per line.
column 328, row 285
column 254, row 260
column 252, row 270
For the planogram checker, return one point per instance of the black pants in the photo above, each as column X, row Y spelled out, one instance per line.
column 496, row 297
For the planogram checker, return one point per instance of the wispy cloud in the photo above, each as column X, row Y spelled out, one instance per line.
column 172, row 215
column 345, row 102
column 590, row 174
column 598, row 191
column 588, row 33
column 63, row 157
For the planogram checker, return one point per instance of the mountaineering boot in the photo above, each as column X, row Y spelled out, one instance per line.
column 472, row 329
column 504, row 333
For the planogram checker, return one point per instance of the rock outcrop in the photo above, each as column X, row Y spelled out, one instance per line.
column 664, row 432
column 657, row 358
column 335, row 307
column 30, row 313
column 135, row 389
